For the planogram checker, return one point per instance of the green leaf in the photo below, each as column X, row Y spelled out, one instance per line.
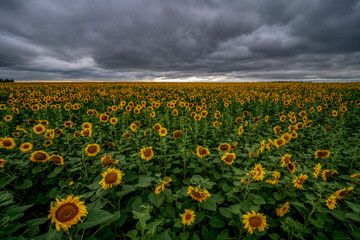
column 55, row 172
column 145, row 182
column 163, row 236
column 217, row 221
column 355, row 207
column 353, row 216
column 157, row 200
column 224, row 235
column 17, row 209
column 27, row 183
column 38, row 169
column 196, row 179
column 95, row 217
column 132, row 234
column 6, row 198
column 339, row 215
column 235, row 209
column 226, row 212
column 36, row 221
column 54, row 235
column 297, row 204
column 152, row 228
column 209, row 204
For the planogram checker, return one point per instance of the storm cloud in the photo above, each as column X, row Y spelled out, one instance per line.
column 213, row 40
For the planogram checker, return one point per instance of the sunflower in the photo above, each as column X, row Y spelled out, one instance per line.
column 127, row 135
column 322, row 154
column 86, row 125
column 285, row 160
column 286, row 136
column 67, row 212
column 317, row 170
column 355, row 178
column 342, row 192
column 188, row 217
column 147, row 153
column 327, row 173
column 39, row 129
column 111, row 177
column 262, row 146
column 241, row 130
column 202, row 152
column 292, row 128
column 277, row 129
column 160, row 188
column 39, row 156
column 217, row 124
column 276, row 179
column 298, row 181
column 234, row 146
column 283, row 209
column 48, row 143
column 291, row 167
column 258, row 172
column 113, row 120
column 163, row 132
column 177, row 134
column 92, row 149
column 50, row 134
column 57, row 159
column 228, row 158
column 157, row 126
column 68, row 124
column 7, row 143
column 133, row 127
column 224, row 147
column 294, row 134
column 198, row 195
column 106, row 161
column 104, row 117
column 279, row 142
column 331, row 202
column 270, row 144
column 86, row 132
column 254, row 220
column 8, row 118
column 2, row 163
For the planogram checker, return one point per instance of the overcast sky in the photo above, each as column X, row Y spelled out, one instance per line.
column 163, row 40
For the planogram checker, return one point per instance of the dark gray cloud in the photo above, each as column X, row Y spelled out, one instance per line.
column 169, row 40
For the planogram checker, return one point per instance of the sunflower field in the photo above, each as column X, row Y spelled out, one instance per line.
column 179, row 161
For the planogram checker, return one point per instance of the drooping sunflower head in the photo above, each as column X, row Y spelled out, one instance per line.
column 340, row 194
column 327, row 173
column 254, row 221
column 188, row 217
column 224, row 147
column 283, row 209
column 111, row 177
column 198, row 195
column 39, row 156
column 177, row 134
column 106, row 161
column 2, row 163
column 331, row 202
column 67, row 212
column 57, row 159
column 202, row 152
column 228, row 158
column 322, row 154
column 92, row 149
column 146, row 153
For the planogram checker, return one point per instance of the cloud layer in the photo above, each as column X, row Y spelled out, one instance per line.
column 203, row 40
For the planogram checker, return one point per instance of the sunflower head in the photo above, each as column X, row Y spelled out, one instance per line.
column 177, row 134
column 254, row 221
column 92, row 149
column 39, row 156
column 57, row 159
column 106, row 161
column 224, row 147
column 283, row 209
column 7, row 143
column 2, row 163
column 198, row 195
column 146, row 153
column 111, row 177
column 188, row 217
column 67, row 212
column 228, row 158
column 322, row 154
column 202, row 152
column 163, row 132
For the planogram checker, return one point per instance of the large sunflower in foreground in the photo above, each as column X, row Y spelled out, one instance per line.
column 111, row 177
column 254, row 220
column 198, row 195
column 92, row 149
column 39, row 156
column 188, row 217
column 67, row 212
column 147, row 153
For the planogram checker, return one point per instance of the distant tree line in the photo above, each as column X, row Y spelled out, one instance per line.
column 6, row 80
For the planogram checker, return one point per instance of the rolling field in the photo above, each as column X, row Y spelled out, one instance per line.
column 179, row 161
